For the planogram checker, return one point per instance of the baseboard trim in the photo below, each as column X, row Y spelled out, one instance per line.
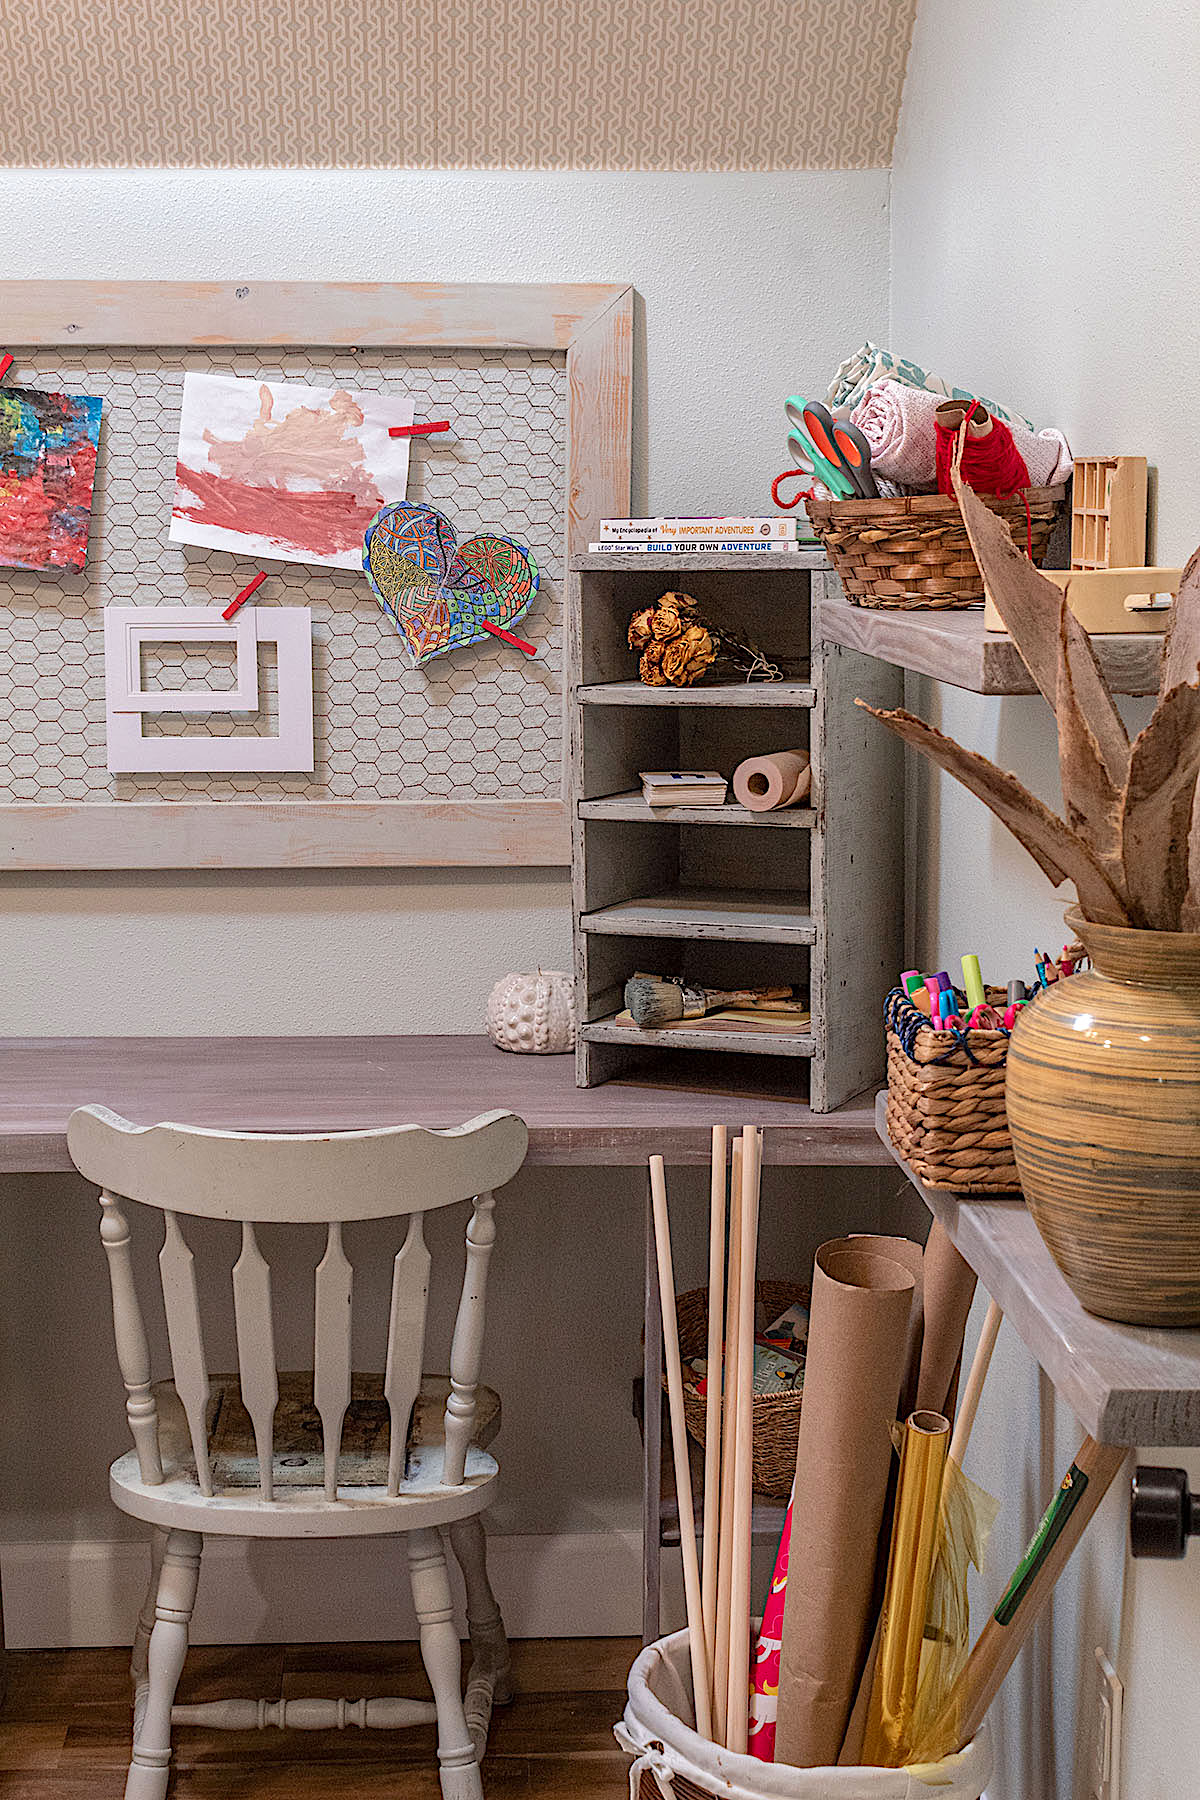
column 72, row 1595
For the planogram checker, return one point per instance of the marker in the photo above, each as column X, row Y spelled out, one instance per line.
column 418, row 430
column 1010, row 1013
column 5, row 366
column 1017, row 993
column 910, row 980
column 250, row 588
column 943, row 980
column 984, row 1018
column 973, row 981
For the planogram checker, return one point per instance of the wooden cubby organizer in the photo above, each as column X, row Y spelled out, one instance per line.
column 725, row 897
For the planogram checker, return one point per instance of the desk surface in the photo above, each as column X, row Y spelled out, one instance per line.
column 1126, row 1384
column 345, row 1083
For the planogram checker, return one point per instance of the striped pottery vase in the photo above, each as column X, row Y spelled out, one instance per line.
column 1103, row 1098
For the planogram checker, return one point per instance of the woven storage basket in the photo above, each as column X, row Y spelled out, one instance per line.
column 776, row 1416
column 945, row 1104
column 914, row 551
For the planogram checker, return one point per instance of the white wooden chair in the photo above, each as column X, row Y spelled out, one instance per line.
column 182, row 1477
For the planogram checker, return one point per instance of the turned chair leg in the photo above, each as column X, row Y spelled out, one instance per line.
column 145, row 1623
column 441, row 1653
column 180, row 1571
column 490, row 1680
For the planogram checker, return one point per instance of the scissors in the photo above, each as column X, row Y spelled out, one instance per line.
column 837, row 451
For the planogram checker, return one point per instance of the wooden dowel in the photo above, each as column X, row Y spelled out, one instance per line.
column 728, row 1443
column 717, row 1212
column 701, row 1684
column 969, row 1405
column 1066, row 1519
column 743, row 1497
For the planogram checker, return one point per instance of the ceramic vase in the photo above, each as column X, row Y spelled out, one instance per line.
column 534, row 1014
column 1103, row 1098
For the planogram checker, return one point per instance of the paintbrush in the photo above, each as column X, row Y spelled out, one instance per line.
column 653, row 1001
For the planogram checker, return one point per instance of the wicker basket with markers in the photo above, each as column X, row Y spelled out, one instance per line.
column 945, row 1106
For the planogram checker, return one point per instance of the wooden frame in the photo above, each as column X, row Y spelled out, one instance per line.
column 592, row 323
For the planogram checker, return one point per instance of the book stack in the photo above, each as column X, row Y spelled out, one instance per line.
column 683, row 787
column 766, row 536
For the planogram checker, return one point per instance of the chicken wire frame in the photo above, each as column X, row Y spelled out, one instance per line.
column 288, row 748
column 591, row 322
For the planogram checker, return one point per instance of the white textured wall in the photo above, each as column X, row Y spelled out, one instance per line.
column 1045, row 237
column 749, row 282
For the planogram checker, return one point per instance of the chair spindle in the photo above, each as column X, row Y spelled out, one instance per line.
column 256, row 1351
column 466, row 1350
column 177, row 1271
column 331, row 1350
column 406, row 1343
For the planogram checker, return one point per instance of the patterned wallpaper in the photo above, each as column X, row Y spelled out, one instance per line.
column 584, row 84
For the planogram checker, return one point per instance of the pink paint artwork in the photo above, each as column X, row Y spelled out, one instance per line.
column 279, row 469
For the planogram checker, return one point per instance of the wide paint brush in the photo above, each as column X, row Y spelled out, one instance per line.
column 654, row 1002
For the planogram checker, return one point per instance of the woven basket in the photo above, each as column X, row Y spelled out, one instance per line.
column 945, row 1104
column 914, row 551
column 776, row 1416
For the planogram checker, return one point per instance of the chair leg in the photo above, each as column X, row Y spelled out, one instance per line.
column 441, row 1653
column 151, row 1766
column 490, row 1680
column 145, row 1623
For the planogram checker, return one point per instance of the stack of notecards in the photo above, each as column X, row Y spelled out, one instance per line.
column 683, row 787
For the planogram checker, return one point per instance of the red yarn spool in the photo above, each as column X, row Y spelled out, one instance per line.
column 990, row 464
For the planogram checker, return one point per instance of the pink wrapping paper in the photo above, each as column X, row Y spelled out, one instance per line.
column 764, row 1673
column 898, row 423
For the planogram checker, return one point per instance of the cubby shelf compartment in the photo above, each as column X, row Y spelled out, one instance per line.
column 739, row 1038
column 731, row 693
column 693, row 913
column 809, row 897
column 632, row 809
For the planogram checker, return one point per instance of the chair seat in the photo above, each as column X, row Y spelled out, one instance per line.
column 300, row 1508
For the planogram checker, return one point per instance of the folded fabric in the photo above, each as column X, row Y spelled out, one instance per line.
column 898, row 423
column 870, row 364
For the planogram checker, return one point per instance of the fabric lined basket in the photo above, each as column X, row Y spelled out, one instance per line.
column 914, row 552
column 945, row 1104
column 776, row 1416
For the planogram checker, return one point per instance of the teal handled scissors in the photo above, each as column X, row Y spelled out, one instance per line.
column 828, row 450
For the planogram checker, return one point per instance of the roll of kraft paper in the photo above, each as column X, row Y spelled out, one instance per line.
column 949, row 1291
column 764, row 783
column 858, row 1333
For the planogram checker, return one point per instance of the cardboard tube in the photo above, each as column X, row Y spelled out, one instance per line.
column 906, row 1597
column 909, row 1254
column 858, row 1330
column 948, row 1293
column 766, row 783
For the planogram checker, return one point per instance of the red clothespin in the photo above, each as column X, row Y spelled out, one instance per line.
column 245, row 594
column 418, row 430
column 5, row 366
column 520, row 644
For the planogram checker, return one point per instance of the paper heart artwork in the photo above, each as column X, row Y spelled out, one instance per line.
column 438, row 593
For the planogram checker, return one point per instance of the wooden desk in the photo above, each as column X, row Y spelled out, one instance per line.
column 347, row 1083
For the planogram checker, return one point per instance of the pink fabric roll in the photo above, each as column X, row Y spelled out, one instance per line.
column 898, row 423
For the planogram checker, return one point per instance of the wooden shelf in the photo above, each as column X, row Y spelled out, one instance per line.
column 739, row 1036
column 955, row 647
column 633, row 810
column 689, row 562
column 700, row 913
column 734, row 693
column 1126, row 1384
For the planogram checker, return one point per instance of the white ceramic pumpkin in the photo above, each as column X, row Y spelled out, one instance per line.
column 533, row 1014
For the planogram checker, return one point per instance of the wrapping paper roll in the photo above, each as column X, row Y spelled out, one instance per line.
column 949, row 1291
column 764, row 783
column 858, row 1335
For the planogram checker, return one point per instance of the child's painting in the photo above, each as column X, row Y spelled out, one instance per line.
column 279, row 469
column 48, row 446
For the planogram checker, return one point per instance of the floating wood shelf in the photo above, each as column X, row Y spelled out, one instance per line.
column 1126, row 1384
column 736, row 1035
column 633, row 810
column 954, row 646
column 698, row 913
column 736, row 693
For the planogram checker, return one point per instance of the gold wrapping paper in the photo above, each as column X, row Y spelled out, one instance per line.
column 906, row 1596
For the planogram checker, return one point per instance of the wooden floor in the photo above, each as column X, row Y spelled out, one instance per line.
column 64, row 1728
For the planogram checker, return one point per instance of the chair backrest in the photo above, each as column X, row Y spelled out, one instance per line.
column 329, row 1179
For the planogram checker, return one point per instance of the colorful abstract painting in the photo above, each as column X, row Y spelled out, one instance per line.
column 437, row 591
column 48, row 446
column 279, row 469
